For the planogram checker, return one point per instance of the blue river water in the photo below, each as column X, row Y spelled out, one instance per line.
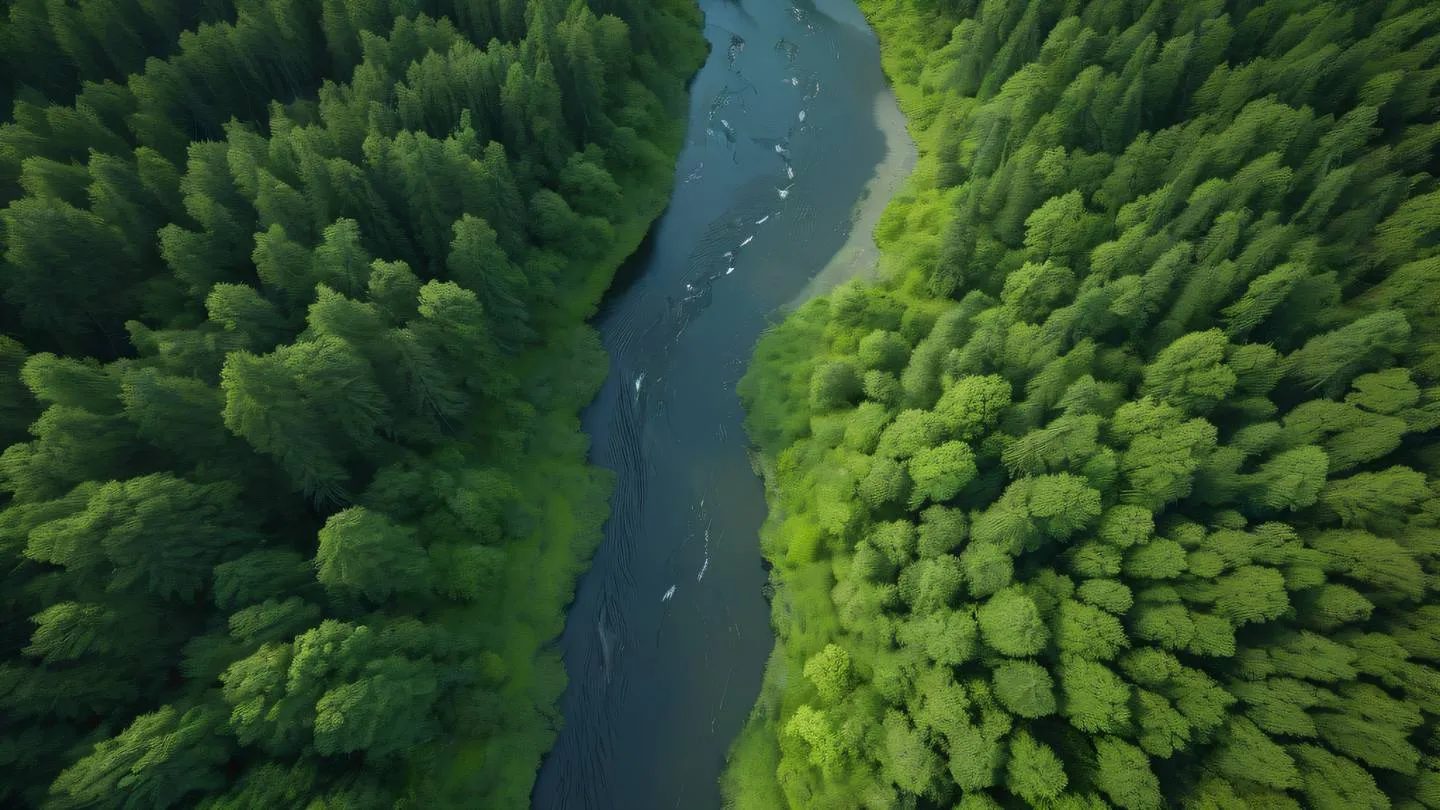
column 667, row 637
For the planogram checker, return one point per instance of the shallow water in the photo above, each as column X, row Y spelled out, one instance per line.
column 669, row 631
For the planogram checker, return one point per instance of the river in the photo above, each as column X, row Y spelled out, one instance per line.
column 794, row 145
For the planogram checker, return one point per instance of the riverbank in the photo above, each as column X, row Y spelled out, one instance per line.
column 860, row 257
column 750, row 780
column 572, row 495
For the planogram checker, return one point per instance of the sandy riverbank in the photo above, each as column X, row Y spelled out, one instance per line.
column 859, row 257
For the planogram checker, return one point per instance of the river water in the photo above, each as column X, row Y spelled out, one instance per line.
column 790, row 121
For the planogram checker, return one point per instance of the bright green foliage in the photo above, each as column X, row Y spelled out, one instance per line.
column 864, row 425
column 1163, row 730
column 1191, row 373
column 972, row 405
column 1123, row 773
column 1158, row 559
column 1124, row 525
column 884, row 351
column 896, row 541
column 1093, row 697
column 911, row 432
column 1247, row 754
column 1033, row 773
column 976, row 754
column 912, row 764
column 387, row 711
column 1033, row 290
column 1106, row 594
column 940, row 472
column 948, row 637
column 1088, row 631
column 1253, row 593
column 162, row 759
column 977, row 801
column 292, row 298
column 941, row 531
column 931, row 585
column 815, row 729
column 1375, row 500
column 1024, row 688
column 834, row 385
column 364, row 553
column 1010, row 624
column 1094, row 559
column 1167, row 273
column 886, row 482
column 831, row 673
column 1333, row 782
column 987, row 568
column 880, row 387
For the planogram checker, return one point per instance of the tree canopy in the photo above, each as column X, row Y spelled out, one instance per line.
column 1156, row 410
column 285, row 518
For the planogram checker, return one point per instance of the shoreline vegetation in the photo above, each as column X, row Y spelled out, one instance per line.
column 539, row 564
column 1117, row 486
column 293, row 492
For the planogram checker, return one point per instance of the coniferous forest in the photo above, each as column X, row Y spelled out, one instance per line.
column 1121, row 488
column 293, row 292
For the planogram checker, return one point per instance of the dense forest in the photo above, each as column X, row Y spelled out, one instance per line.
column 1120, row 488
column 292, row 344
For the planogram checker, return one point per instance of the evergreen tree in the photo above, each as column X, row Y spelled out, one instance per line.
column 1158, row 301
column 269, row 271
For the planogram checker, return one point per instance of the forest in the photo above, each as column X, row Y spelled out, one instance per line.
column 292, row 346
column 1120, row 487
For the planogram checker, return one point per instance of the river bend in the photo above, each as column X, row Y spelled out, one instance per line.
column 790, row 121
